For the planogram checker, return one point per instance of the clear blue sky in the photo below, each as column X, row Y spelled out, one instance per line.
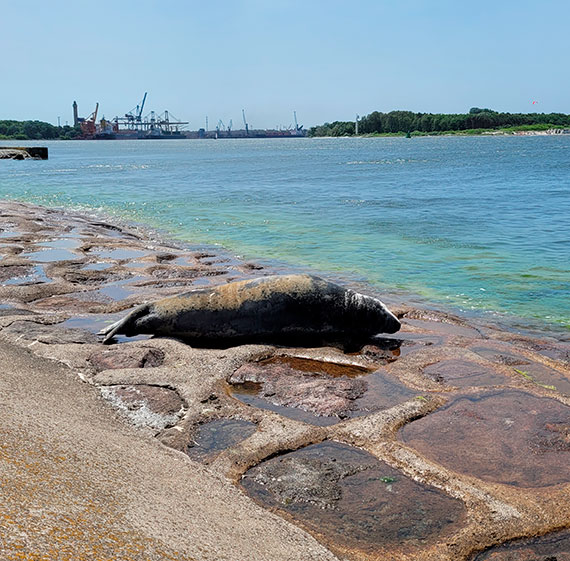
column 327, row 59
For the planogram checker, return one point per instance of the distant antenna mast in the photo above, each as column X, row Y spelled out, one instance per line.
column 206, row 123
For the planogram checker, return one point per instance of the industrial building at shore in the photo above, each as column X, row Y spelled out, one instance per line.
column 164, row 126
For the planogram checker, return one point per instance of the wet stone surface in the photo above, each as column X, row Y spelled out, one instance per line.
column 126, row 357
column 411, row 342
column 320, row 393
column 551, row 547
column 443, row 328
column 48, row 334
column 544, row 377
column 353, row 499
column 145, row 405
column 509, row 437
column 6, row 310
column 500, row 356
column 23, row 274
column 464, row 373
column 216, row 436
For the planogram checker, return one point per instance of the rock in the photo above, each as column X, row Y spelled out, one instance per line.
column 145, row 405
column 49, row 334
column 126, row 357
column 506, row 436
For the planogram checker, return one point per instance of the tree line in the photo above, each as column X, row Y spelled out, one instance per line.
column 398, row 122
column 36, row 130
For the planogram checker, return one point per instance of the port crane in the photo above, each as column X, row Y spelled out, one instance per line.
column 245, row 123
column 134, row 116
column 88, row 125
column 150, row 125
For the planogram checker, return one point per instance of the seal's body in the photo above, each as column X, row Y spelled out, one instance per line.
column 296, row 309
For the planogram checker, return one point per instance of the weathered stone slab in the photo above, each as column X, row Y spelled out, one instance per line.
column 126, row 357
column 464, row 373
column 145, row 405
column 50, row 334
column 544, row 376
column 353, row 498
column 500, row 356
column 508, row 436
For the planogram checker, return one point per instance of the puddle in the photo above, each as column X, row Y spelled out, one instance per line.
column 332, row 369
column 50, row 255
column 98, row 266
column 63, row 243
column 184, row 261
column 202, row 281
column 119, row 290
column 351, row 498
column 137, row 265
column 463, row 373
column 509, row 437
column 35, row 276
column 115, row 292
column 156, row 407
column 119, row 253
column 551, row 547
column 9, row 233
column 95, row 322
column 216, row 436
column 315, row 392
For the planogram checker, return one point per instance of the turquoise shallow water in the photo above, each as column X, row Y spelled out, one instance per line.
column 478, row 224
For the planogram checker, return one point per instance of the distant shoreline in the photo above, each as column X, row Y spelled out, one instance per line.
column 474, row 132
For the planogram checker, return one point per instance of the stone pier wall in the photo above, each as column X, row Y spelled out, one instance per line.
column 23, row 153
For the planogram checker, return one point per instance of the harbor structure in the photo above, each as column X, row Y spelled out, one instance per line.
column 134, row 126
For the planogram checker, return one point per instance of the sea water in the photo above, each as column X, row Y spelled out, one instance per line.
column 475, row 224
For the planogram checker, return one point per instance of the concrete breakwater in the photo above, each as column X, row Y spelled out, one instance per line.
column 445, row 441
column 23, row 153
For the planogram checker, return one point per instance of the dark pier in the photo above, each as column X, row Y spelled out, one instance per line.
column 23, row 153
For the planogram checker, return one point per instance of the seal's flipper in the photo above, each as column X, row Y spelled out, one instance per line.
column 124, row 325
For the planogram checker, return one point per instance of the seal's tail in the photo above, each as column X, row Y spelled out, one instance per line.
column 125, row 325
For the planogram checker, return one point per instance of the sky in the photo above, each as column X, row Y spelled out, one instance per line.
column 325, row 59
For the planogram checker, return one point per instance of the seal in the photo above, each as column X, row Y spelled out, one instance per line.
column 289, row 309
